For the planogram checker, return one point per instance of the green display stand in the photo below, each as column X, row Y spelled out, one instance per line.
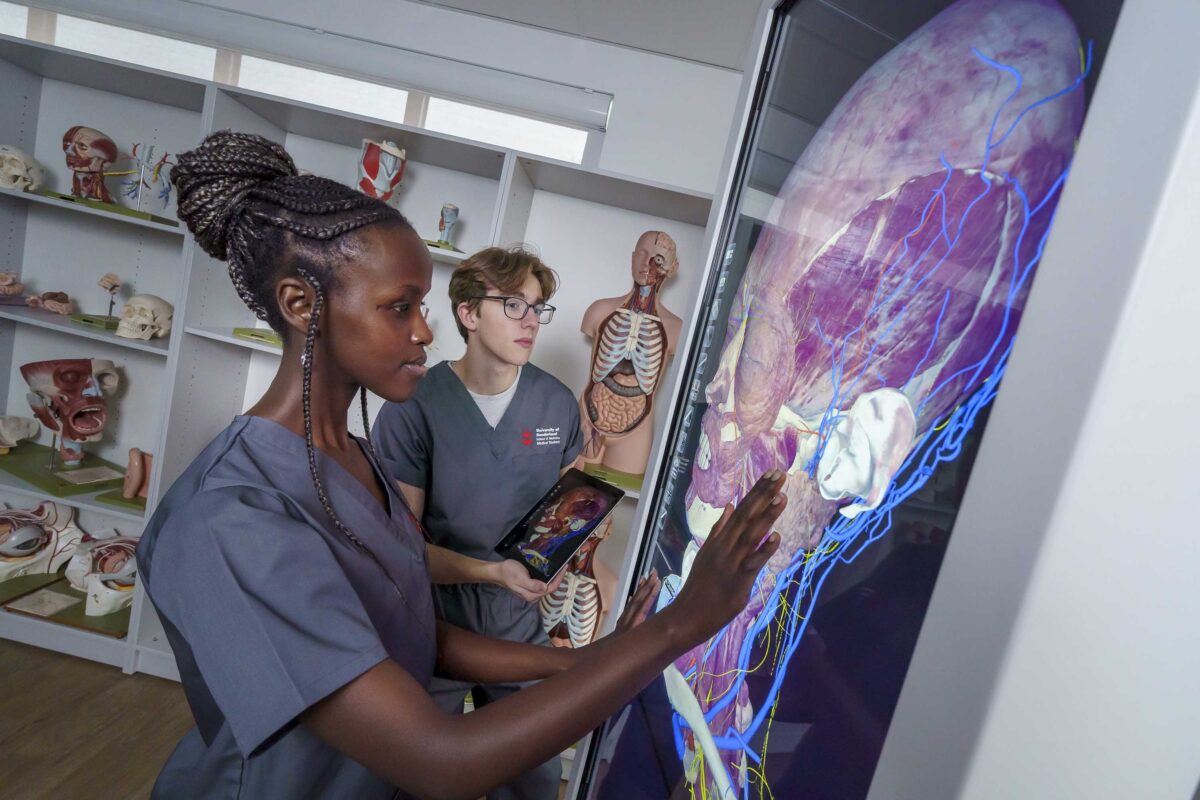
column 115, row 624
column 115, row 498
column 260, row 335
column 622, row 480
column 13, row 588
column 98, row 321
column 30, row 462
column 112, row 208
column 439, row 244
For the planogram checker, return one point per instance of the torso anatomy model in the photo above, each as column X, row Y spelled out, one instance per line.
column 633, row 335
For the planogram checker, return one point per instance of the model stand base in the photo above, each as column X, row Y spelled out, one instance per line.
column 13, row 588
column 622, row 480
column 62, row 603
column 31, row 463
column 110, row 207
column 260, row 335
column 100, row 322
column 115, row 498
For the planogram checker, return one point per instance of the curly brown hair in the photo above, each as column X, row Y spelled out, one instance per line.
column 500, row 269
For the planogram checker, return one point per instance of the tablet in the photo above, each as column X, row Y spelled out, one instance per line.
column 552, row 532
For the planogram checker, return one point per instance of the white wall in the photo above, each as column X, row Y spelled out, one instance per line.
column 1060, row 657
column 670, row 118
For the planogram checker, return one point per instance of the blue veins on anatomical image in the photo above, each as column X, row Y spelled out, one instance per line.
column 870, row 330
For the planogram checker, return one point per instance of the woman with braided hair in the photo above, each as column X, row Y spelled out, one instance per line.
column 289, row 575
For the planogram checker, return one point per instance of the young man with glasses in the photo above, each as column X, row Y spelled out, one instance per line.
column 478, row 444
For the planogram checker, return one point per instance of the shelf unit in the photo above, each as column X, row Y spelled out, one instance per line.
column 181, row 391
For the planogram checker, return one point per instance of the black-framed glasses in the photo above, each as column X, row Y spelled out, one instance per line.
column 518, row 307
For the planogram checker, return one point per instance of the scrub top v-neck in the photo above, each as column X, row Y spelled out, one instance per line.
column 269, row 609
column 478, row 480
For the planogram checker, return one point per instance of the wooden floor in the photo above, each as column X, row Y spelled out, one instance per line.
column 71, row 728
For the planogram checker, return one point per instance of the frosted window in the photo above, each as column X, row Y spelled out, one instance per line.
column 13, row 19
column 506, row 130
column 135, row 47
column 323, row 89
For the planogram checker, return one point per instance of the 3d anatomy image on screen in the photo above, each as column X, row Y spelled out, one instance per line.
column 870, row 329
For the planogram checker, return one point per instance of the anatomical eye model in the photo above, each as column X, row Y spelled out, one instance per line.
column 37, row 541
column 106, row 570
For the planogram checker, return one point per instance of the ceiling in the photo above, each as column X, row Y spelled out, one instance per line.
column 715, row 32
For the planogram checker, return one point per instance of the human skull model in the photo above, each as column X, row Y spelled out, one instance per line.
column 18, row 170
column 145, row 316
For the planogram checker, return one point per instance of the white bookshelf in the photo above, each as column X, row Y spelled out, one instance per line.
column 183, row 390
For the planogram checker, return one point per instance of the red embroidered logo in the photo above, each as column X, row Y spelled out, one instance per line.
column 527, row 438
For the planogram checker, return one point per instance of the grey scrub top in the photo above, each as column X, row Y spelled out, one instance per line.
column 269, row 609
column 480, row 481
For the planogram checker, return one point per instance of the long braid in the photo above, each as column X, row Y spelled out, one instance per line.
column 244, row 203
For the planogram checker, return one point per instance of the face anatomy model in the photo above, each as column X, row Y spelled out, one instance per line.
column 633, row 335
column 67, row 396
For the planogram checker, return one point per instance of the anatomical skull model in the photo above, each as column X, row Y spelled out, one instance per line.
column 872, row 323
column 106, row 570
column 380, row 169
column 38, row 541
column 18, row 170
column 572, row 613
column 89, row 152
column 14, row 429
column 145, row 316
column 67, row 396
column 633, row 336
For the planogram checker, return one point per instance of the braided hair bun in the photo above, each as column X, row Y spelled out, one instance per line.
column 215, row 179
column 242, row 198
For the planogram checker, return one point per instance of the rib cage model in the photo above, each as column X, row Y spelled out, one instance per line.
column 631, row 342
column 572, row 611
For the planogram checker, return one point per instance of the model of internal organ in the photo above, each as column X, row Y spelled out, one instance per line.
column 89, row 153
column 54, row 302
column 137, row 475
column 38, row 541
column 874, row 315
column 9, row 285
column 67, row 396
column 380, row 169
column 14, row 429
column 571, row 614
column 106, row 570
column 632, row 337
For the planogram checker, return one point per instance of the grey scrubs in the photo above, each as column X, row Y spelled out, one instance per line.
column 478, row 483
column 269, row 610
